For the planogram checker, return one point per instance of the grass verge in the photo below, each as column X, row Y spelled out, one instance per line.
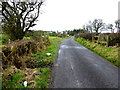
column 38, row 76
column 14, row 81
column 46, row 62
column 43, row 80
column 109, row 53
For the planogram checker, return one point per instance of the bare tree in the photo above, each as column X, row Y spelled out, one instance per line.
column 89, row 26
column 96, row 24
column 19, row 17
column 110, row 26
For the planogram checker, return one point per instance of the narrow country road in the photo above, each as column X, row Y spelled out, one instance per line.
column 78, row 67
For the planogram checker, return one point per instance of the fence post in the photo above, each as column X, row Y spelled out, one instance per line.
column 99, row 38
column 108, row 40
column 92, row 37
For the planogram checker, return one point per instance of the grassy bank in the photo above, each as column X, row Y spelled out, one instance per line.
column 38, row 71
column 109, row 53
column 47, row 60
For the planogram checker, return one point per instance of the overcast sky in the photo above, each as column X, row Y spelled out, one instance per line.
column 59, row 15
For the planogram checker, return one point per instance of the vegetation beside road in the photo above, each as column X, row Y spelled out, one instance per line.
column 48, row 61
column 38, row 68
column 3, row 38
column 109, row 53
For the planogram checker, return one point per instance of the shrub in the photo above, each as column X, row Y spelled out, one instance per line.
column 87, row 36
column 114, row 38
column 111, row 38
column 13, row 54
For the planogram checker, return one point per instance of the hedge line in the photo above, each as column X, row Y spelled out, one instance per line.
column 16, row 52
column 109, row 39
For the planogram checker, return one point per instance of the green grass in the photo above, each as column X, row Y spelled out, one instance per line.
column 44, row 65
column 44, row 79
column 42, row 57
column 26, row 38
column 14, row 81
column 0, row 42
column 109, row 53
column 4, row 38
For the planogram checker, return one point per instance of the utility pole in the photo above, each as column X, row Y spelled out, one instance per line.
column 118, row 25
column 118, row 22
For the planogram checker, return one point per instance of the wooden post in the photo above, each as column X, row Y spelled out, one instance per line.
column 108, row 40
column 99, row 38
column 92, row 37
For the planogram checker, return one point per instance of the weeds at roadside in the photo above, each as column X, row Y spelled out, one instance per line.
column 14, row 81
column 46, row 62
column 43, row 80
column 42, row 61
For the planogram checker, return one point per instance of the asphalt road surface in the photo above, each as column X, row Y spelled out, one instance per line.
column 78, row 67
